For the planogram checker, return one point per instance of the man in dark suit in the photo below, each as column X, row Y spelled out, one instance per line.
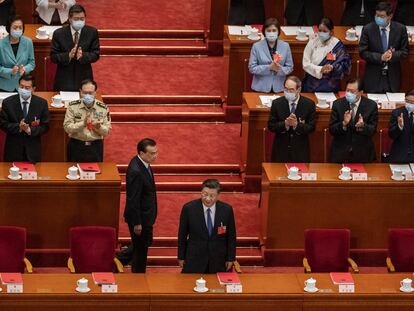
column 353, row 123
column 292, row 118
column 401, row 131
column 383, row 44
column 74, row 49
column 207, row 233
column 405, row 12
column 24, row 118
column 141, row 202
column 246, row 12
column 358, row 12
column 304, row 12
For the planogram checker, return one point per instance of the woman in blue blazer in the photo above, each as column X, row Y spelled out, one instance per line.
column 16, row 56
column 270, row 60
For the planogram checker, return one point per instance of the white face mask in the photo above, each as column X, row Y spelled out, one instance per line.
column 409, row 107
column 271, row 36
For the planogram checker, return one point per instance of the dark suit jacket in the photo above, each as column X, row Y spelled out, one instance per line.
column 141, row 196
column 246, row 12
column 352, row 12
column 17, row 142
column 311, row 9
column 291, row 145
column 405, row 12
column 349, row 145
column 402, row 149
column 200, row 251
column 70, row 73
column 370, row 49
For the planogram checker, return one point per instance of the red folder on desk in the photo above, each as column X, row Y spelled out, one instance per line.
column 89, row 167
column 226, row 278
column 103, row 278
column 355, row 167
column 341, row 278
column 25, row 166
column 301, row 166
column 11, row 278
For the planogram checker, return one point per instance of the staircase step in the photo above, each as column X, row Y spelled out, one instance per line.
column 189, row 168
column 151, row 34
column 165, row 100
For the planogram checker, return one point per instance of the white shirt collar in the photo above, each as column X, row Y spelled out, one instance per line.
column 145, row 163
column 73, row 31
column 386, row 28
column 357, row 103
column 213, row 208
column 27, row 100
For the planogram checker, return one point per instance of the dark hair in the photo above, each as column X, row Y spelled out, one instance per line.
column 77, row 8
column 296, row 80
column 355, row 80
column 27, row 77
column 144, row 143
column 410, row 93
column 271, row 22
column 326, row 21
column 11, row 20
column 384, row 6
column 89, row 81
column 211, row 184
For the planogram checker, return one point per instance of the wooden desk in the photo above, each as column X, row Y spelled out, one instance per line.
column 367, row 208
column 254, row 120
column 51, row 205
column 237, row 49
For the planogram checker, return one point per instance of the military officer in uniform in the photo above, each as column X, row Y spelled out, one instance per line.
column 87, row 122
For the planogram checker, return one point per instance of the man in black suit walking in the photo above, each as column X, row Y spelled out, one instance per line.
column 304, row 12
column 383, row 44
column 24, row 118
column 207, row 233
column 353, row 123
column 141, row 202
column 358, row 12
column 292, row 118
column 74, row 49
column 401, row 131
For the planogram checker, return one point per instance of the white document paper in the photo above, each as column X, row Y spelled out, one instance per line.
column 293, row 30
column 3, row 96
column 238, row 31
column 396, row 97
column 410, row 29
column 381, row 98
column 329, row 97
column 69, row 96
column 267, row 100
column 412, row 166
column 405, row 168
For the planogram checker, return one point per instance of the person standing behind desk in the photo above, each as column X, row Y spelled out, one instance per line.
column 401, row 131
column 207, row 233
column 141, row 203
column 303, row 12
column 352, row 124
column 87, row 122
column 383, row 44
column 16, row 55
column 54, row 12
column 358, row 12
column 24, row 118
column 292, row 118
column 74, row 49
column 270, row 60
column 7, row 10
column 325, row 61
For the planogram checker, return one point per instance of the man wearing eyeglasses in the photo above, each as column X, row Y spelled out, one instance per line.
column 207, row 233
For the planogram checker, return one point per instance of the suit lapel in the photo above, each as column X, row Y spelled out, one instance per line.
column 217, row 218
column 18, row 109
column 201, row 217
column 144, row 170
column 32, row 108
column 266, row 50
column 9, row 49
column 377, row 34
column 391, row 36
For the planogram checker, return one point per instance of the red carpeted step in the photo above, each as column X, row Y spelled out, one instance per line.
column 196, row 101
column 154, row 42
column 181, row 143
column 189, row 168
column 162, row 75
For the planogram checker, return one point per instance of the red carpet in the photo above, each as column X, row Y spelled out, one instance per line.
column 181, row 143
column 160, row 14
column 135, row 75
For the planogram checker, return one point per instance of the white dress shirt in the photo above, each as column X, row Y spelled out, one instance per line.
column 212, row 213
column 46, row 13
column 143, row 162
column 73, row 33
column 28, row 102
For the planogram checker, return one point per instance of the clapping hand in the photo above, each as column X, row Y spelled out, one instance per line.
column 274, row 66
column 291, row 121
column 21, row 70
column 15, row 70
column 347, row 118
column 386, row 57
column 360, row 124
column 327, row 69
column 24, row 127
column 79, row 54
column 73, row 52
column 401, row 120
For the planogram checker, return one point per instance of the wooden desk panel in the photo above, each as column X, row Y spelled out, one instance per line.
column 254, row 120
column 51, row 205
column 367, row 208
column 237, row 49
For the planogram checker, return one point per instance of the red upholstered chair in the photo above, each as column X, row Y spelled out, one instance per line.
column 49, row 73
column 13, row 249
column 385, row 144
column 268, row 139
column 92, row 249
column 361, row 69
column 327, row 142
column 400, row 250
column 327, row 250
column 248, row 77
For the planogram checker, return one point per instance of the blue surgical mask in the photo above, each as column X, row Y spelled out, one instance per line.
column 25, row 94
column 381, row 21
column 271, row 36
column 78, row 25
column 88, row 99
column 290, row 97
column 350, row 97
column 409, row 107
column 324, row 36
column 16, row 33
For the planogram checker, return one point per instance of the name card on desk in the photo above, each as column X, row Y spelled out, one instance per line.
column 109, row 288
column 234, row 288
column 29, row 175
column 388, row 105
column 346, row 288
column 309, row 176
column 87, row 175
column 359, row 176
column 14, row 288
column 409, row 176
